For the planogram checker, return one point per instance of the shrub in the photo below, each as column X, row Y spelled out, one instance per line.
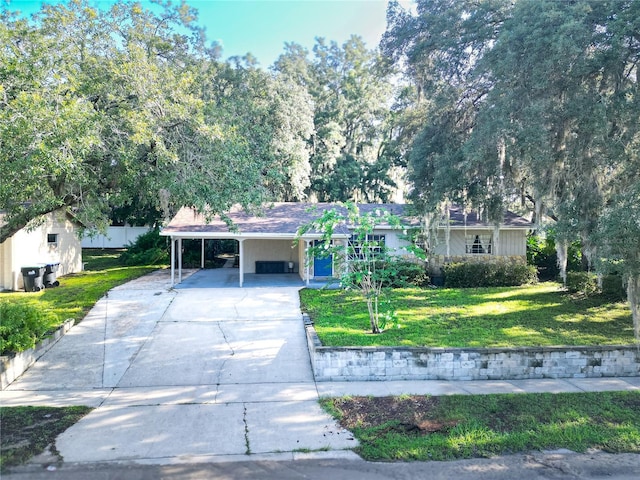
column 22, row 326
column 408, row 273
column 148, row 249
column 475, row 275
column 584, row 283
column 613, row 287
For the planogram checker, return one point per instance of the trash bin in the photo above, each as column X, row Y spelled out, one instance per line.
column 32, row 278
column 49, row 278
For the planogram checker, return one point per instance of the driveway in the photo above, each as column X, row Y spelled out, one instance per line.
column 200, row 372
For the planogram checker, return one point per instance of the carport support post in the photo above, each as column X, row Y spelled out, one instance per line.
column 241, row 262
column 202, row 255
column 180, row 260
column 173, row 261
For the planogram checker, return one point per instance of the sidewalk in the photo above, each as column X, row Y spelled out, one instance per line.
column 271, row 392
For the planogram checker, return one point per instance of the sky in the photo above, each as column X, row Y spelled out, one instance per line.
column 263, row 26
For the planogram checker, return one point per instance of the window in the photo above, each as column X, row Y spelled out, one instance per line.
column 479, row 244
column 52, row 239
column 375, row 244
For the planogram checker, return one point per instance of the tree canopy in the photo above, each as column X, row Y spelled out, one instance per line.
column 351, row 155
column 128, row 106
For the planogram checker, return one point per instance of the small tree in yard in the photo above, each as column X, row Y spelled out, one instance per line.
column 365, row 263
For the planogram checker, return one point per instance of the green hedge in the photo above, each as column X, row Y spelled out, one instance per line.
column 475, row 275
column 407, row 274
column 22, row 326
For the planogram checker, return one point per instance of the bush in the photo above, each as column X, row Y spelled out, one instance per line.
column 407, row 274
column 613, row 287
column 476, row 275
column 584, row 283
column 23, row 326
column 148, row 249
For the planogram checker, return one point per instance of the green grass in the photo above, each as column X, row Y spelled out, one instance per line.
column 538, row 315
column 27, row 431
column 78, row 292
column 458, row 426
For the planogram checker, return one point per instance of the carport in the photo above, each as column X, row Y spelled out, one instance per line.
column 266, row 243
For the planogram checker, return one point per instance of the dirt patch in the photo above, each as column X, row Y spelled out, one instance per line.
column 410, row 414
column 28, row 431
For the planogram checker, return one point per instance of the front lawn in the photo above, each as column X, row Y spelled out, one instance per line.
column 426, row 428
column 77, row 292
column 538, row 315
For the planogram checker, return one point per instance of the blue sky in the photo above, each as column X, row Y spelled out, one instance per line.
column 263, row 26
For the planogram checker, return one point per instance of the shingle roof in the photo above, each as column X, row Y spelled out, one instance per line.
column 457, row 219
column 284, row 219
column 275, row 219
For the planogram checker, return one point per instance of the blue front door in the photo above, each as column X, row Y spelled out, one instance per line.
column 322, row 267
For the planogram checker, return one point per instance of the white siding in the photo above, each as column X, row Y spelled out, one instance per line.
column 394, row 241
column 6, row 281
column 31, row 247
column 510, row 243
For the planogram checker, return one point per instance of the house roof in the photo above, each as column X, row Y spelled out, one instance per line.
column 458, row 218
column 282, row 220
column 276, row 220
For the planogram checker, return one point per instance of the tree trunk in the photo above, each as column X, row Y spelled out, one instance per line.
column 633, row 295
column 373, row 320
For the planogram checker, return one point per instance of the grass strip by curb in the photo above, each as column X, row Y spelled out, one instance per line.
column 423, row 428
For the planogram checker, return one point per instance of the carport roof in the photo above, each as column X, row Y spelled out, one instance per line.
column 277, row 220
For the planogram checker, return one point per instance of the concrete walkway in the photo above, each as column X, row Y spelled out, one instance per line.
column 210, row 372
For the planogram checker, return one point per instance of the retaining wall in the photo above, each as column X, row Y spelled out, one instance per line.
column 12, row 366
column 405, row 363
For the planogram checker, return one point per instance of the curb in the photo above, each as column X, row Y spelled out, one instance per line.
column 11, row 367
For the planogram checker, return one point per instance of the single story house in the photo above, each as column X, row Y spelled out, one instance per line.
column 266, row 242
column 54, row 240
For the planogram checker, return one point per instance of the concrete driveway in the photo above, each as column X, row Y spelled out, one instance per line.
column 202, row 372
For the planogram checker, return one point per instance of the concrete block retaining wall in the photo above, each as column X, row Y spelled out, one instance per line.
column 404, row 363
column 11, row 367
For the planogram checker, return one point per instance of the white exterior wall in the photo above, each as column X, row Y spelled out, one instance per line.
column 116, row 237
column 270, row 250
column 26, row 248
column 394, row 241
column 6, row 276
column 510, row 243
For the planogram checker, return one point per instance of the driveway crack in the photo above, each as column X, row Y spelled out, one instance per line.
column 224, row 362
column 246, row 431
column 235, row 305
